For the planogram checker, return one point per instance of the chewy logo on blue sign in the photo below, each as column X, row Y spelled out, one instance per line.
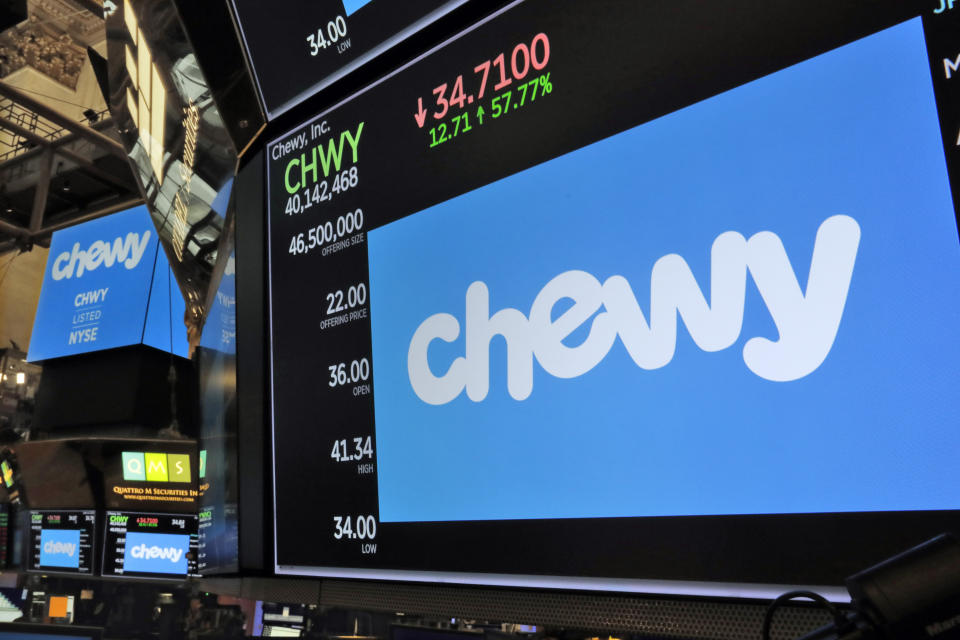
column 674, row 320
column 156, row 553
column 96, row 286
column 60, row 548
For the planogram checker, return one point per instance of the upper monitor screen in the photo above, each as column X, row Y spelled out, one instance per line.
column 62, row 541
column 107, row 284
column 297, row 47
column 594, row 293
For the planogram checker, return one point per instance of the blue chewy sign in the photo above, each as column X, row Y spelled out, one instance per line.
column 747, row 306
column 60, row 548
column 102, row 281
column 156, row 553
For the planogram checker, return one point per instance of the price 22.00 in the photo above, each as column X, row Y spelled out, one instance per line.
column 363, row 528
column 362, row 448
column 356, row 296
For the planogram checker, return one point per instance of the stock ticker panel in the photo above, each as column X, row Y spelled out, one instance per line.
column 327, row 39
column 550, row 261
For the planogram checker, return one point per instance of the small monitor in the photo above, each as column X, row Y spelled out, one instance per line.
column 61, row 541
column 150, row 545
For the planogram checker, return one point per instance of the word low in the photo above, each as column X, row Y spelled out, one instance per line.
column 143, row 552
column 66, row 548
column 124, row 250
column 806, row 321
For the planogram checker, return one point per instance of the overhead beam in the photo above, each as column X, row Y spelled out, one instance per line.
column 87, row 165
column 14, row 229
column 94, row 136
column 59, row 142
column 92, row 6
column 23, row 132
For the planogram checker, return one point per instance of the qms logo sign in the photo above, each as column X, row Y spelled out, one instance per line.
column 806, row 320
column 155, row 467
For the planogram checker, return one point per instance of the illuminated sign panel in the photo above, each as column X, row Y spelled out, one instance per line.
column 60, row 548
column 146, row 97
column 607, row 303
column 323, row 41
column 150, row 545
column 156, row 467
column 106, row 285
column 62, row 541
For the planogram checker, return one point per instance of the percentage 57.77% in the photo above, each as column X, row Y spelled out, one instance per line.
column 499, row 106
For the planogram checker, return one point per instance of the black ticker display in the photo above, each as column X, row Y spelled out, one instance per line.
column 325, row 40
column 5, row 535
column 150, row 545
column 576, row 298
column 62, row 541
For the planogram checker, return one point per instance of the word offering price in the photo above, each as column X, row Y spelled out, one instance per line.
column 366, row 528
column 362, row 448
column 336, row 29
column 354, row 297
column 343, row 373
column 497, row 73
column 326, row 233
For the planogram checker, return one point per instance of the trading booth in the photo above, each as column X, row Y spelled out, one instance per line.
column 520, row 319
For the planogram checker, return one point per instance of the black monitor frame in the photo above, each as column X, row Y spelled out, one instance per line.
column 736, row 550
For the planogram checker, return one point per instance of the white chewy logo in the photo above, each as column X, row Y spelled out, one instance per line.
column 60, row 548
column 806, row 321
column 143, row 552
column 126, row 251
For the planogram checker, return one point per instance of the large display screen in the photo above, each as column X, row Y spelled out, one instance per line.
column 323, row 40
column 107, row 284
column 597, row 293
column 150, row 545
column 62, row 541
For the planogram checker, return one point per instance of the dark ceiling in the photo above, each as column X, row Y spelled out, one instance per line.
column 54, row 170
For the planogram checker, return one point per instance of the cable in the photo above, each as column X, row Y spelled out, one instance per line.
column 6, row 267
column 170, row 311
column 839, row 619
column 37, row 93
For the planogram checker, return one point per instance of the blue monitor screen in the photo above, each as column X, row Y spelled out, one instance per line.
column 60, row 548
column 150, row 545
column 107, row 284
column 679, row 307
column 748, row 309
column 61, row 541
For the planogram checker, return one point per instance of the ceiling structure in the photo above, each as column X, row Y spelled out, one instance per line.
column 61, row 160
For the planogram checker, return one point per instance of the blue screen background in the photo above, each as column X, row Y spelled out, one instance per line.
column 63, row 536
column 156, row 565
column 137, row 305
column 854, row 132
